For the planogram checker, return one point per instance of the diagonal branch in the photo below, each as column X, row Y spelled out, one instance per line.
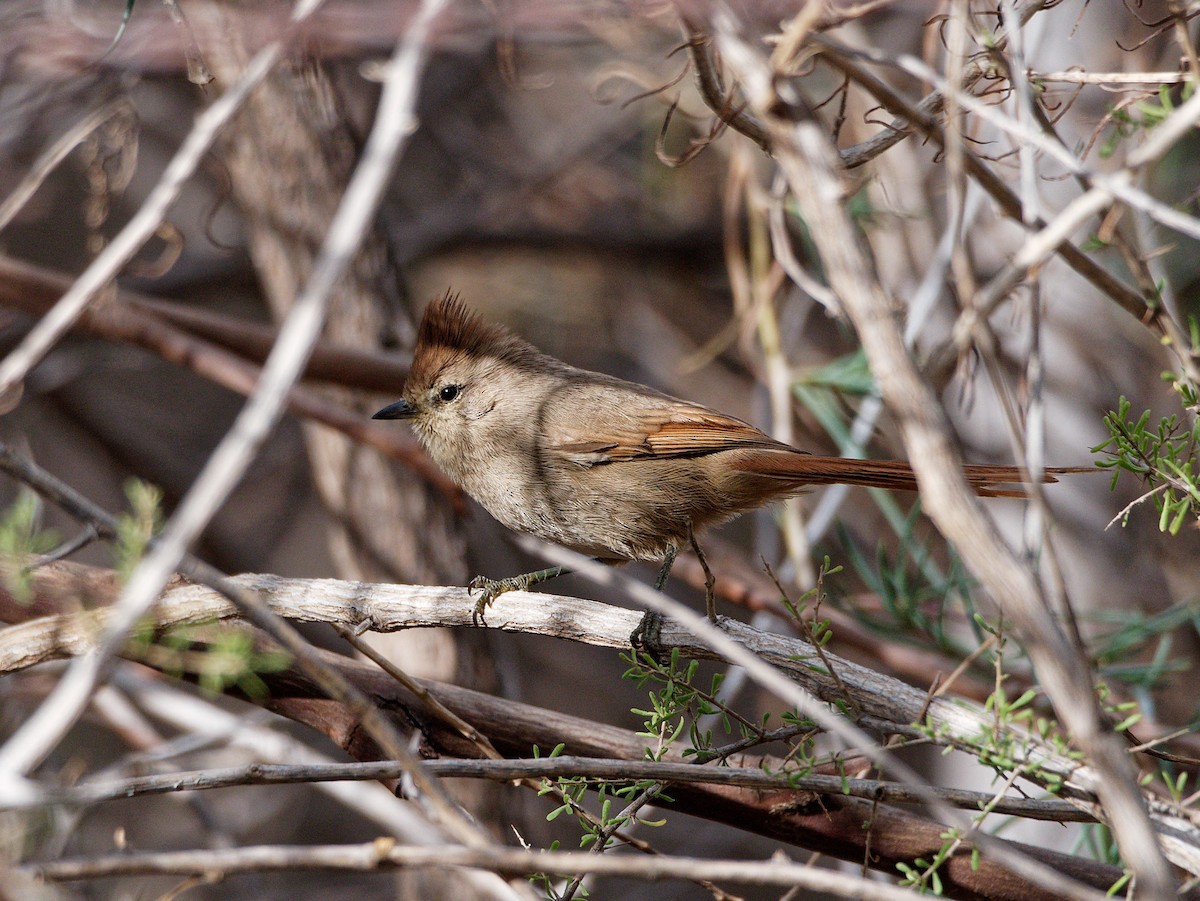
column 812, row 170
column 149, row 216
column 34, row 290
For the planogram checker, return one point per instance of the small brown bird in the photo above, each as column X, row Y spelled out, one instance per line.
column 609, row 468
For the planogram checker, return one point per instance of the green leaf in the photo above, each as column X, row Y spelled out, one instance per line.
column 849, row 374
column 136, row 527
column 20, row 539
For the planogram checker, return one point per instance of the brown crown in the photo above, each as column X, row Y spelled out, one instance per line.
column 450, row 331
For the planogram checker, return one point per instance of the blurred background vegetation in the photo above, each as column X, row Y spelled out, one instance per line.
column 568, row 179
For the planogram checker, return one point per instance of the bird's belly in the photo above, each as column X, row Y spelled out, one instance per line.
column 604, row 517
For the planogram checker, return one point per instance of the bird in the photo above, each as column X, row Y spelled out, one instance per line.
column 610, row 468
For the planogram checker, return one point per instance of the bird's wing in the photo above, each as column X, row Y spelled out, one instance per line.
column 658, row 431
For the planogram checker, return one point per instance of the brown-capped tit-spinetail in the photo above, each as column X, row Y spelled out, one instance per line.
column 606, row 467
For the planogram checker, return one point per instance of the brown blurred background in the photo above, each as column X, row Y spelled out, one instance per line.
column 533, row 187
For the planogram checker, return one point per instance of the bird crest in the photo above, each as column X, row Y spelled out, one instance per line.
column 450, row 332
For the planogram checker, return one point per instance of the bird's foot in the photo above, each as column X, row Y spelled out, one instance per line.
column 490, row 589
column 647, row 637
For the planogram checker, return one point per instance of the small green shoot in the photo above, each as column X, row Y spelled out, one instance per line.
column 136, row 527
column 1163, row 455
column 21, row 540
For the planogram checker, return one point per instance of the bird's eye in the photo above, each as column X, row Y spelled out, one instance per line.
column 449, row 392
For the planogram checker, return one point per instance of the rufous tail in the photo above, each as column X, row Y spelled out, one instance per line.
column 895, row 475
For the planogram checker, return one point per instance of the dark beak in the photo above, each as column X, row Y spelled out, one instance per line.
column 401, row 409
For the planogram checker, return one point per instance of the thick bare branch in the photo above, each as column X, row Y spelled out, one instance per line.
column 594, row 768
column 384, row 854
column 833, row 826
column 888, row 703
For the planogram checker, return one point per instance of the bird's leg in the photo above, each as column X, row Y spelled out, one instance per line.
column 645, row 636
column 668, row 562
column 490, row 589
column 710, row 581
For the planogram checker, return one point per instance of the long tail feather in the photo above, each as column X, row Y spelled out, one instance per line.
column 896, row 475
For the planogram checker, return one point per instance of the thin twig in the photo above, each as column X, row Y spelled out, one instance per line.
column 1113, row 78
column 34, row 290
column 49, row 159
column 1128, row 299
column 518, row 726
column 699, row 47
column 132, row 324
column 447, row 716
column 247, row 600
column 105, row 267
column 605, row 834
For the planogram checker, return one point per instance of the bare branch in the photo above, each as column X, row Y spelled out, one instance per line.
column 137, row 321
column 385, row 854
column 1111, row 78
column 356, row 606
column 148, row 217
column 810, row 167
column 598, row 768
column 226, row 466
column 34, row 290
column 833, row 826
